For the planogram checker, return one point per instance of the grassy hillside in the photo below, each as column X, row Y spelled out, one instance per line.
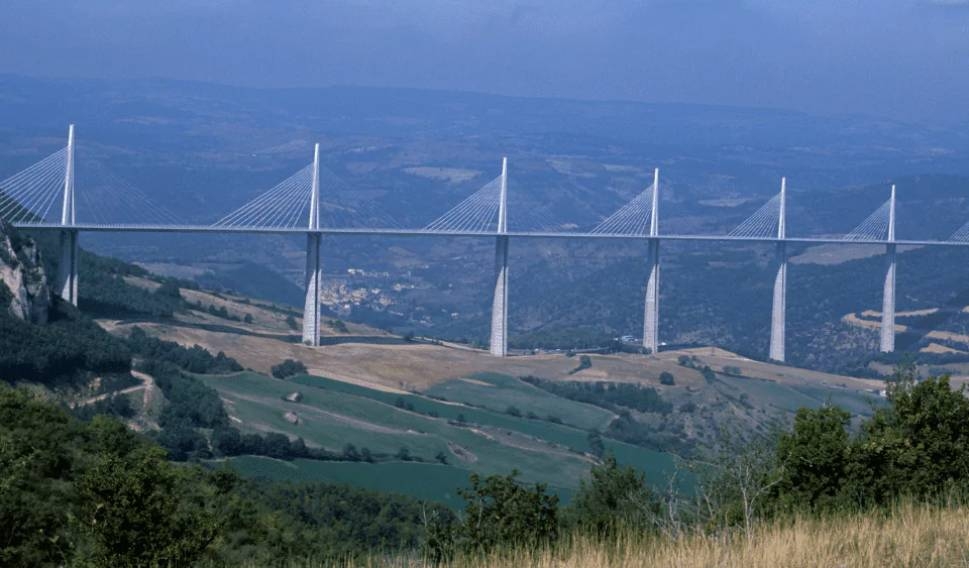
column 450, row 409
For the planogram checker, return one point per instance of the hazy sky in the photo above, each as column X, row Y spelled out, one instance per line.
column 906, row 59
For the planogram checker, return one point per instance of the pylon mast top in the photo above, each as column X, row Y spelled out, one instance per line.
column 654, row 212
column 503, row 198
column 68, row 210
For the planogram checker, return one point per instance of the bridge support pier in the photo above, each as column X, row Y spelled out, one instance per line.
column 313, row 280
column 498, row 345
column 651, row 319
column 778, row 315
column 778, row 320
column 887, row 339
column 66, row 286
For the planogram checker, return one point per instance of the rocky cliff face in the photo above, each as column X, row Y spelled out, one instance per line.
column 22, row 274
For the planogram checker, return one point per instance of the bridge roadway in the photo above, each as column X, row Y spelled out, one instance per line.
column 132, row 228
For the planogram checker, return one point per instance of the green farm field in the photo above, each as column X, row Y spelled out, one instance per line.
column 500, row 392
column 332, row 414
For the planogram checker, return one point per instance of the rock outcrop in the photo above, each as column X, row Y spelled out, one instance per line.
column 22, row 274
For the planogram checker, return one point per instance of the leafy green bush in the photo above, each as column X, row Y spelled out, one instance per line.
column 98, row 494
column 614, row 498
column 500, row 511
column 288, row 368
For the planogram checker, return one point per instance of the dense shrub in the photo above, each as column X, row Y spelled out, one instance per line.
column 500, row 511
column 97, row 494
column 66, row 347
column 613, row 498
column 194, row 360
column 613, row 396
column 917, row 446
column 288, row 368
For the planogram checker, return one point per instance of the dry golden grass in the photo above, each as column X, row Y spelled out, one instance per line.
column 911, row 536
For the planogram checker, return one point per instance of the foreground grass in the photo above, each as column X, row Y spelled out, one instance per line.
column 908, row 536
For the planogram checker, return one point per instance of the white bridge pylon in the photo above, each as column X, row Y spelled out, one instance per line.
column 771, row 221
column 640, row 217
column 879, row 227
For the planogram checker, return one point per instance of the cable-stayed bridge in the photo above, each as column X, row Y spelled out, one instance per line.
column 43, row 197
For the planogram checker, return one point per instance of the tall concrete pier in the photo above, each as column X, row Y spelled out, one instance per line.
column 498, row 345
column 887, row 340
column 778, row 320
column 66, row 285
column 651, row 317
column 314, row 272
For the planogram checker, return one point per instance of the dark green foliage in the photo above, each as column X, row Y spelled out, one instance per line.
column 228, row 441
column 708, row 375
column 37, row 454
column 97, row 494
column 190, row 405
column 55, row 469
column 615, row 497
column 169, row 289
column 5, row 295
column 613, row 396
column 194, row 360
column 118, row 406
column 500, row 511
column 584, row 363
column 338, row 326
column 105, row 293
column 220, row 312
column 628, row 429
column 136, row 509
column 667, row 378
column 814, row 457
column 288, row 368
column 61, row 350
column 183, row 442
column 917, row 446
column 268, row 523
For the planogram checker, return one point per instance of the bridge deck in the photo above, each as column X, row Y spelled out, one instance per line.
column 132, row 228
